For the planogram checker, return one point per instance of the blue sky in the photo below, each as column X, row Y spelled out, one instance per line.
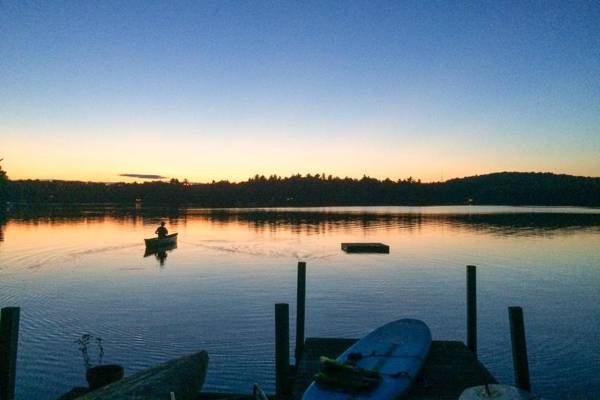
column 223, row 90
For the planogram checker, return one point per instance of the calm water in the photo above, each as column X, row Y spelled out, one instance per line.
column 84, row 271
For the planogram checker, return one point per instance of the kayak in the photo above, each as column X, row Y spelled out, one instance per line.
column 395, row 353
column 182, row 377
column 497, row 392
column 161, row 242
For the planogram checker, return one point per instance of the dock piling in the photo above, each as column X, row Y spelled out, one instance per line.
column 519, row 348
column 300, row 310
column 9, row 339
column 472, row 308
column 282, row 349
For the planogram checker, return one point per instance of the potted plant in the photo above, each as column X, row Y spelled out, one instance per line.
column 100, row 374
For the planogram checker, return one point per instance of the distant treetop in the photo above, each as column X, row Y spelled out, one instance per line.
column 2, row 172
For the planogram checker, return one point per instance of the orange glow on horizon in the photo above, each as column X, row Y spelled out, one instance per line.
column 237, row 166
column 104, row 158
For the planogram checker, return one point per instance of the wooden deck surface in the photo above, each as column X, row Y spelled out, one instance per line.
column 450, row 368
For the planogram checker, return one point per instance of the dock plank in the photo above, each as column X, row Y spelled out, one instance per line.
column 450, row 368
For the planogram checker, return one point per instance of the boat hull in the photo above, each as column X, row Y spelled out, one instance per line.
column 182, row 377
column 166, row 241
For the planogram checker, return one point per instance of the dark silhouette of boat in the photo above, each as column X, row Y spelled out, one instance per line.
column 158, row 242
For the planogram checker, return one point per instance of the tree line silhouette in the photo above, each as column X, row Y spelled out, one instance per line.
column 3, row 186
column 506, row 188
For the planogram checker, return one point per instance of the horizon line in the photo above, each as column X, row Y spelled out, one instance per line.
column 151, row 178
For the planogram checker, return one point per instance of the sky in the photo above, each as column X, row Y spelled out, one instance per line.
column 206, row 90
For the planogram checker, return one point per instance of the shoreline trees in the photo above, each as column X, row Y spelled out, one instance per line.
column 506, row 188
column 3, row 185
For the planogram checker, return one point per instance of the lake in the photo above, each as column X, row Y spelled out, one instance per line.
column 83, row 270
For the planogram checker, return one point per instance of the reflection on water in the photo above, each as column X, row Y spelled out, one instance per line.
column 80, row 270
column 503, row 220
column 160, row 253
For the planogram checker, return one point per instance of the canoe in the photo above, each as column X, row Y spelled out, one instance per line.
column 397, row 350
column 183, row 377
column 162, row 242
column 497, row 392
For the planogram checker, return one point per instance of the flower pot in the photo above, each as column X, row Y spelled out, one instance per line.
column 102, row 375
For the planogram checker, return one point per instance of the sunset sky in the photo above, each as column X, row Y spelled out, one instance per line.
column 224, row 90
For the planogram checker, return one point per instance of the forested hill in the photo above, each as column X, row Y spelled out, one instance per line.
column 507, row 188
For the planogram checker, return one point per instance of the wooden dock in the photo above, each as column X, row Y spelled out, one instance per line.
column 450, row 368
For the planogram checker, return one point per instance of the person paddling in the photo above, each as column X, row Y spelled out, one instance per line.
column 161, row 231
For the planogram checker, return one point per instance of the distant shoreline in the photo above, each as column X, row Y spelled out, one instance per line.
column 506, row 188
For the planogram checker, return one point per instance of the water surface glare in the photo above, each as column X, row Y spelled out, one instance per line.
column 84, row 270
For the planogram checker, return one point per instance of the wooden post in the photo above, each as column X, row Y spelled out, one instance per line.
column 519, row 348
column 282, row 349
column 472, row 308
column 9, row 339
column 300, row 310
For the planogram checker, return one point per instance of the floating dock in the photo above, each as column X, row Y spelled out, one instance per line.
column 365, row 248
